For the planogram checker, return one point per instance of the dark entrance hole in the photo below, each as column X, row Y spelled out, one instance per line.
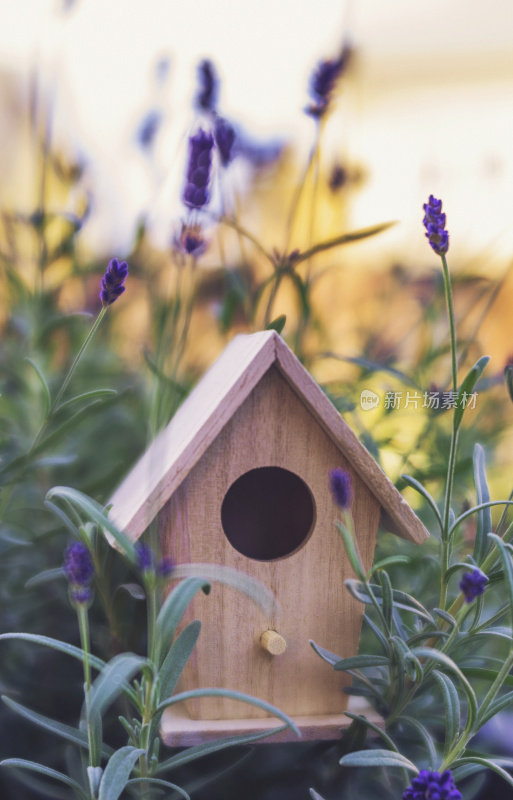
column 268, row 513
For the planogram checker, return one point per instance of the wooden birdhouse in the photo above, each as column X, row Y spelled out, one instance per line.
column 240, row 478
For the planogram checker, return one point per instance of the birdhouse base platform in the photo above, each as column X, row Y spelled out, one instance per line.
column 179, row 730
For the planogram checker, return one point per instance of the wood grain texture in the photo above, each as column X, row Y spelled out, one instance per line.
column 201, row 418
column 179, row 730
column 309, row 584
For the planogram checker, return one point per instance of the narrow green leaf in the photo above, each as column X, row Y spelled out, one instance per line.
column 475, row 509
column 315, row 795
column 408, row 661
column 74, row 735
column 467, row 387
column 159, row 782
column 205, row 749
column 375, row 728
column 232, row 695
column 415, row 484
column 484, row 517
column 442, row 658
column 251, row 587
column 377, row 632
column 277, row 324
column 387, row 597
column 401, row 600
column 424, row 735
column 498, row 705
column 43, row 382
column 21, row 763
column 177, row 658
column 486, row 763
column 174, row 608
column 55, row 644
column 326, row 655
column 362, row 662
column 388, row 562
column 452, row 708
column 94, row 394
column 117, row 772
column 377, row 758
column 507, row 565
column 345, row 238
column 95, row 512
column 113, row 679
column 47, row 576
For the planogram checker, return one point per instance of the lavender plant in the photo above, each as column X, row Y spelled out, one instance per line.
column 431, row 658
column 105, row 772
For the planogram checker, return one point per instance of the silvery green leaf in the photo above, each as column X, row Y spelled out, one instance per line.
column 55, row 644
column 452, row 708
column 21, row 763
column 484, row 517
column 117, row 772
column 377, row 758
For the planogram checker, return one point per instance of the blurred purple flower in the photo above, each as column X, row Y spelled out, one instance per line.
column 79, row 570
column 113, row 281
column 206, row 98
column 324, row 79
column 224, row 136
column 429, row 785
column 195, row 193
column 341, row 487
column 145, row 560
column 165, row 567
column 148, row 129
column 434, row 223
column 473, row 584
column 190, row 240
column 338, row 178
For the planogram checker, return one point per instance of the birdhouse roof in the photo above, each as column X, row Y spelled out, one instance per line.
column 202, row 416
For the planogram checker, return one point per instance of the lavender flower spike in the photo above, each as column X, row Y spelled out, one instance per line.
column 434, row 223
column 145, row 557
column 195, row 193
column 341, row 487
column 207, row 96
column 429, row 784
column 224, row 136
column 473, row 584
column 324, row 79
column 113, row 281
column 79, row 570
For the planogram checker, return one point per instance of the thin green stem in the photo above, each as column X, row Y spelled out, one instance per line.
column 83, row 624
column 452, row 327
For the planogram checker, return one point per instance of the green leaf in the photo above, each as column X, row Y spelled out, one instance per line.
column 467, row 387
column 442, row 658
column 498, row 705
column 44, row 384
column 377, row 758
column 375, row 728
column 315, row 795
column 159, row 782
column 232, row 695
column 475, row 509
column 251, row 587
column 452, row 708
column 205, row 749
column 174, row 608
column 326, row 655
column 415, row 484
column 351, row 549
column 387, row 597
column 117, row 772
column 484, row 517
column 95, row 512
column 424, row 735
column 112, row 680
column 21, row 763
column 177, row 658
column 74, row 735
column 508, row 567
column 94, row 394
column 277, row 324
column 388, row 562
column 55, row 644
column 47, row 576
column 401, row 600
column 362, row 662
column 486, row 763
column 345, row 238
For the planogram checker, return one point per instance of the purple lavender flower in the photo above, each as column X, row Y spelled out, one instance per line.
column 148, row 129
column 224, row 136
column 341, row 487
column 165, row 567
column 113, row 281
column 324, row 79
column 432, row 786
column 207, row 96
column 434, row 223
column 190, row 240
column 473, row 584
column 79, row 570
column 195, row 193
column 145, row 558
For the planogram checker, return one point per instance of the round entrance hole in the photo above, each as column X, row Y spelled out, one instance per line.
column 268, row 513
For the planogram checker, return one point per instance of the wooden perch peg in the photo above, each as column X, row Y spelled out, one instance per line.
column 273, row 643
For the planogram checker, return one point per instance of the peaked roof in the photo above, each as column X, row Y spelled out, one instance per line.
column 211, row 404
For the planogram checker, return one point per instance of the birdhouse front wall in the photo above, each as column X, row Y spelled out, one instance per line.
column 271, row 432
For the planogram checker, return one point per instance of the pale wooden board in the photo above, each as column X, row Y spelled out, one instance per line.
column 208, row 409
column 179, row 730
column 308, row 584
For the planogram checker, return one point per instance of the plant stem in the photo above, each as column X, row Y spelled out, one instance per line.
column 83, row 624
